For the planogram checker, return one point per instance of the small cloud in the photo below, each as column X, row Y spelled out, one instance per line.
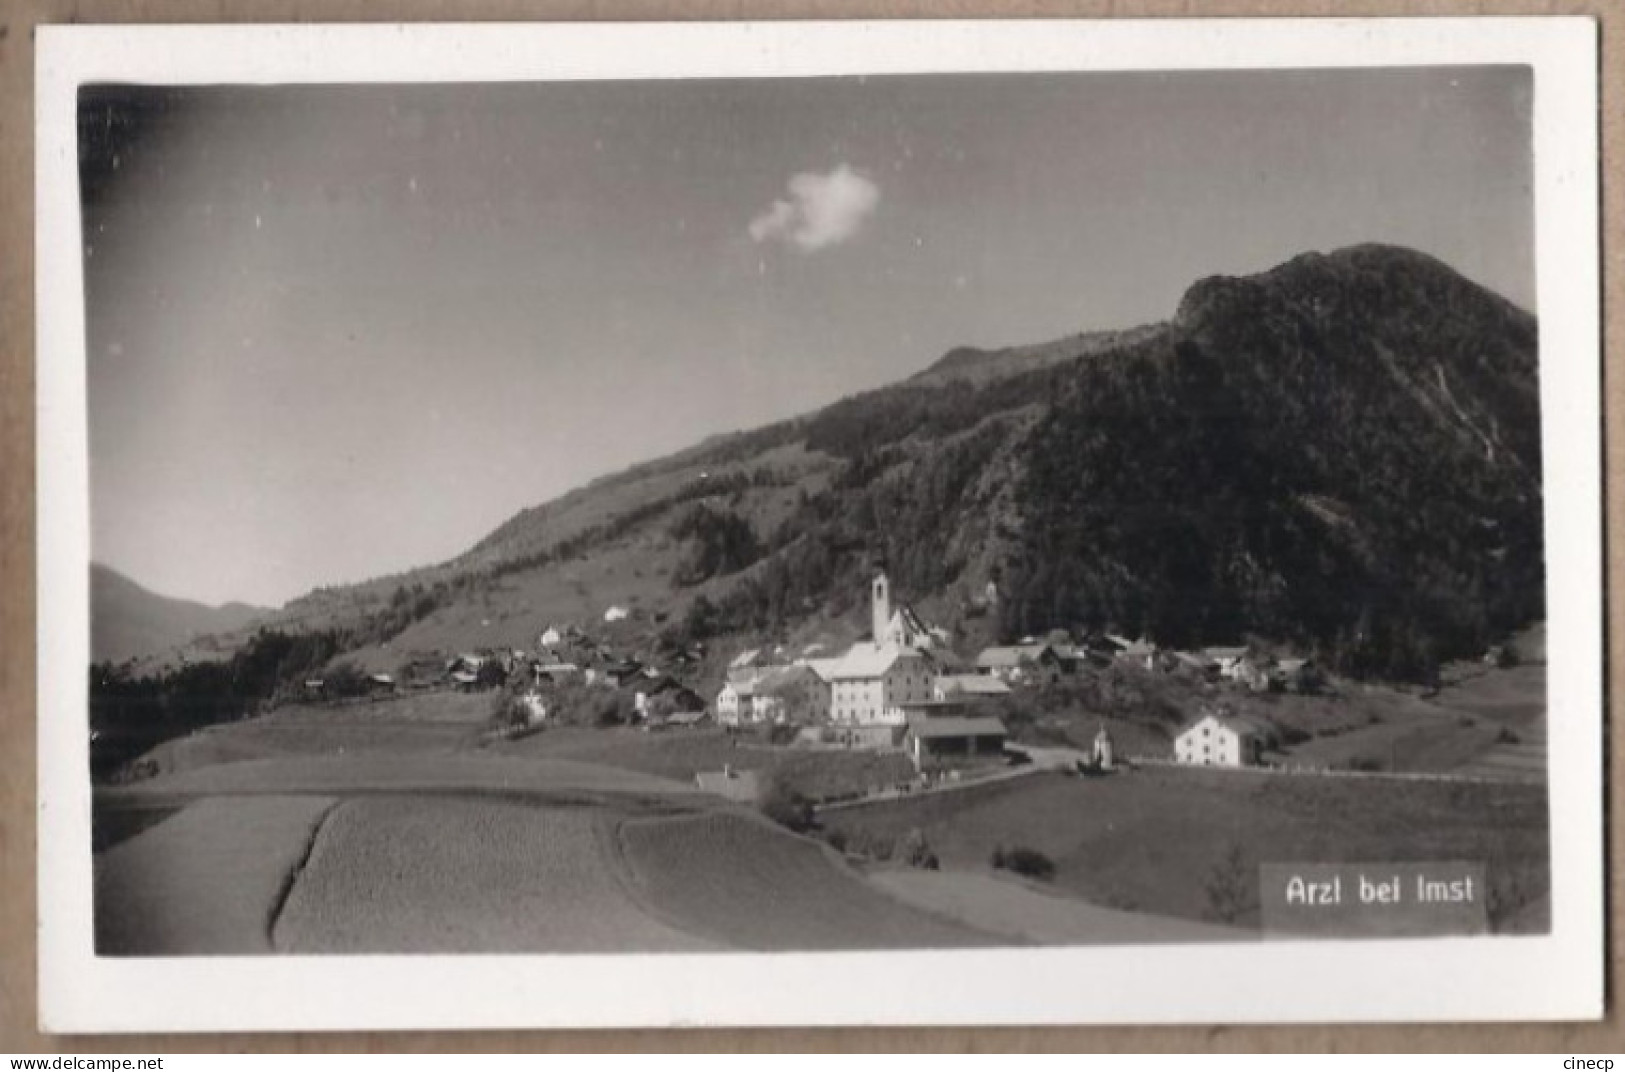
column 821, row 211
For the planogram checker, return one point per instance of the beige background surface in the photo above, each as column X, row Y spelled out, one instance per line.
column 17, row 598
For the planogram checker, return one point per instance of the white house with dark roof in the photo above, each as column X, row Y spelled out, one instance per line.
column 1221, row 741
column 733, row 702
column 871, row 683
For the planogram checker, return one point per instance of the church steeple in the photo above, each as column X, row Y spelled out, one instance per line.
column 880, row 607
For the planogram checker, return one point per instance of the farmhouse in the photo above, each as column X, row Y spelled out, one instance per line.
column 1297, row 675
column 733, row 702
column 1140, row 653
column 652, row 697
column 1021, row 664
column 935, row 742
column 795, row 694
column 1225, row 661
column 1221, row 741
column 468, row 661
column 622, row 671
column 557, row 673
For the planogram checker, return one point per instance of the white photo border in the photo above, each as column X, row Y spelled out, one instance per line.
column 1555, row 976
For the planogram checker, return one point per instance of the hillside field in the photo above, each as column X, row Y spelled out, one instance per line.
column 1155, row 839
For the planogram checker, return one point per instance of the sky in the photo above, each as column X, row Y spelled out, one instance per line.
column 335, row 332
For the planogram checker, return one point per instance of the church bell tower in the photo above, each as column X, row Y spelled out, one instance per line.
column 880, row 607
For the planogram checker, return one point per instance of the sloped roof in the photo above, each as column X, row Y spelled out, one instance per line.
column 931, row 727
column 1012, row 655
column 784, row 677
column 973, row 685
column 557, row 668
column 867, row 660
column 824, row 668
column 1240, row 725
column 911, row 623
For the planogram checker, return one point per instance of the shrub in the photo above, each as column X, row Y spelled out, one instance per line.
column 1029, row 863
column 862, row 842
column 1229, row 889
column 915, row 851
column 1291, row 735
column 787, row 807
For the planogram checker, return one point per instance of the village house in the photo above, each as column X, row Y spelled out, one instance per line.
column 1021, row 664
column 468, row 661
column 1240, row 666
column 871, row 684
column 1141, row 653
column 661, row 694
column 1226, row 661
column 1296, row 675
column 734, row 701
column 620, row 671
column 557, row 673
column 795, row 694
column 1218, row 740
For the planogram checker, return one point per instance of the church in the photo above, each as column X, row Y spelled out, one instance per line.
column 871, row 684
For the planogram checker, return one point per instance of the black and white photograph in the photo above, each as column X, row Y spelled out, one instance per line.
column 718, row 520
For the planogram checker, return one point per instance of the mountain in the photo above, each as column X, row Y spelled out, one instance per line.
column 1341, row 453
column 128, row 621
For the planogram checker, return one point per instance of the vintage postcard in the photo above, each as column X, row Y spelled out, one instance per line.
column 819, row 523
